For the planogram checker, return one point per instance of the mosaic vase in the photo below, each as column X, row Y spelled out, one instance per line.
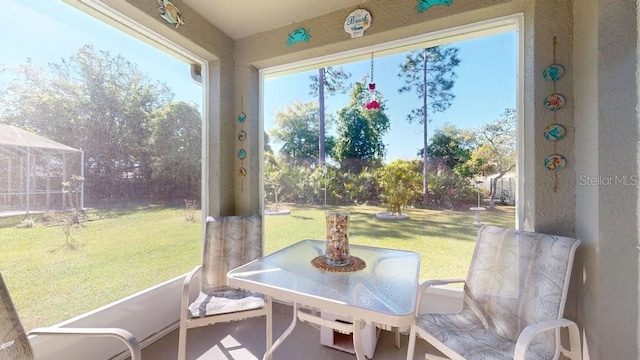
column 337, row 240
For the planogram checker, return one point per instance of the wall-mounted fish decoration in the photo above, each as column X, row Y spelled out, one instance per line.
column 298, row 35
column 423, row 5
column 554, row 132
column 553, row 72
column 242, row 135
column 555, row 162
column 170, row 12
column 554, row 102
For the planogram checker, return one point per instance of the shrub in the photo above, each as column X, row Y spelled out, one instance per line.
column 400, row 185
column 27, row 223
column 447, row 189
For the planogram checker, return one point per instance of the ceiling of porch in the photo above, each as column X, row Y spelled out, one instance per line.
column 259, row 16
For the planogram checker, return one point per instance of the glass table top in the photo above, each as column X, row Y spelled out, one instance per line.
column 387, row 285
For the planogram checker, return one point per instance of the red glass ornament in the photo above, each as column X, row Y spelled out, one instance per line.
column 372, row 105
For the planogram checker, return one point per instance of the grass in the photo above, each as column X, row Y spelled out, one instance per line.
column 126, row 251
column 444, row 239
column 110, row 258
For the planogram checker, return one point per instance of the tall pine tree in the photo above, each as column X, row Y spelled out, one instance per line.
column 429, row 73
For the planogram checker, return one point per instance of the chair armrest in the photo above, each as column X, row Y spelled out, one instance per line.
column 532, row 330
column 429, row 283
column 123, row 335
column 186, row 284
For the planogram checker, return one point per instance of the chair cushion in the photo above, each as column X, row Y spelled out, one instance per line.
column 465, row 334
column 225, row 300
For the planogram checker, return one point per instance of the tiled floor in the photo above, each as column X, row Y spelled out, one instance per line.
column 245, row 340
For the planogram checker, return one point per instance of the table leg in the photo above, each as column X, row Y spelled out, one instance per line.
column 269, row 324
column 287, row 332
column 357, row 339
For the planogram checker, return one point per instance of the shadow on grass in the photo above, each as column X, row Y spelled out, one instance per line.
column 111, row 211
column 368, row 225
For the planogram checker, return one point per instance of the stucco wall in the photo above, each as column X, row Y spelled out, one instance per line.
column 587, row 200
column 607, row 153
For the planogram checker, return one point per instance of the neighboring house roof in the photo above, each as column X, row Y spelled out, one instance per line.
column 16, row 137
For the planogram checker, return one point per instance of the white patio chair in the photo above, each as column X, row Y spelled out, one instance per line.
column 513, row 301
column 229, row 242
column 14, row 341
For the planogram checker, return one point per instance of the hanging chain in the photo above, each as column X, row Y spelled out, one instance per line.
column 372, row 68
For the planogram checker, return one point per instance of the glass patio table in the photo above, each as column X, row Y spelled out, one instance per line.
column 383, row 293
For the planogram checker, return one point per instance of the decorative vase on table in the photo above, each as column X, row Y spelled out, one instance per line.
column 337, row 240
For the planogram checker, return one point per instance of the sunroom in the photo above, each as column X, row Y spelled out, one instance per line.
column 231, row 46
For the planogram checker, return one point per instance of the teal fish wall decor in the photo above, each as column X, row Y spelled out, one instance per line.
column 423, row 5
column 553, row 72
column 554, row 132
column 298, row 35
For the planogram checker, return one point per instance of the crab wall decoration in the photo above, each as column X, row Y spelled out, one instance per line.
column 298, row 35
column 170, row 12
column 423, row 5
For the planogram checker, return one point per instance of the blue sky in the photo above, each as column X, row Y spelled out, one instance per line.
column 49, row 30
column 485, row 86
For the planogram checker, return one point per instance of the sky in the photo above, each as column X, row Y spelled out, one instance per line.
column 47, row 31
column 485, row 86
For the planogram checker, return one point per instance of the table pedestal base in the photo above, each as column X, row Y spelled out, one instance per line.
column 354, row 328
column 344, row 341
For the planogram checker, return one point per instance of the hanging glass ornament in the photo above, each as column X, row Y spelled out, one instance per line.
column 372, row 104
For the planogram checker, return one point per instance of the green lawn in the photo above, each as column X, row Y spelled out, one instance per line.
column 126, row 251
column 111, row 258
column 444, row 239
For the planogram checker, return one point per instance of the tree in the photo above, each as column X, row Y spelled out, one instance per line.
column 328, row 81
column 273, row 176
column 451, row 146
column 176, row 146
column 97, row 102
column 296, row 128
column 360, row 131
column 497, row 148
column 430, row 74
column 267, row 144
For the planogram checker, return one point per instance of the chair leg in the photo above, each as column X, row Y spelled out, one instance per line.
column 411, row 348
column 575, row 351
column 182, row 341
